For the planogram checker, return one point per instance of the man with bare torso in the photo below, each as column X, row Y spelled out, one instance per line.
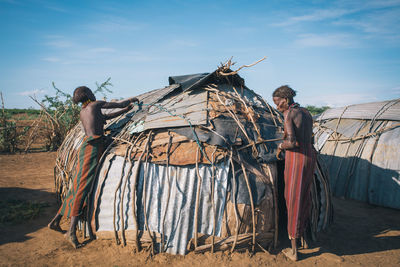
column 89, row 154
column 300, row 159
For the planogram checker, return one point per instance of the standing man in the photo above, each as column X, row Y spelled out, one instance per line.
column 89, row 154
column 300, row 159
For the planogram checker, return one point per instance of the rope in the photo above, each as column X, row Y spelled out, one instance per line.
column 364, row 136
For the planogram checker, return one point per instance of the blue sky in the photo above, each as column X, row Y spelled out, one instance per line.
column 332, row 52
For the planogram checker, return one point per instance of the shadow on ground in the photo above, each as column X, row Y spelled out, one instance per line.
column 358, row 227
column 361, row 228
column 14, row 229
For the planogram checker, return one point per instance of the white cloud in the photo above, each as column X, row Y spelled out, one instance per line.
column 32, row 92
column 101, row 50
column 183, row 43
column 115, row 24
column 395, row 91
column 340, row 100
column 379, row 22
column 316, row 15
column 369, row 19
column 51, row 59
column 60, row 44
column 58, row 9
column 378, row 4
column 325, row 40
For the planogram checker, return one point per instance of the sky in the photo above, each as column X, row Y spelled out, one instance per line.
column 332, row 53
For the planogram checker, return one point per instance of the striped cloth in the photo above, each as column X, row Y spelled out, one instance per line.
column 89, row 155
column 299, row 171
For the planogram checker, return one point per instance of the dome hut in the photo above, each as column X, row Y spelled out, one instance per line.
column 191, row 168
column 361, row 144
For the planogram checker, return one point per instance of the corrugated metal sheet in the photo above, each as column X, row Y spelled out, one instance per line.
column 365, row 169
column 385, row 110
column 179, row 221
column 146, row 99
column 157, row 112
column 168, row 113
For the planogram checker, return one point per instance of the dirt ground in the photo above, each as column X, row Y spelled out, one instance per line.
column 362, row 235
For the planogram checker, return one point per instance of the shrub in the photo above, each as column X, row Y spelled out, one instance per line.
column 61, row 114
column 8, row 136
column 316, row 110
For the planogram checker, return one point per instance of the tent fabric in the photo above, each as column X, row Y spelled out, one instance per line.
column 362, row 154
column 385, row 110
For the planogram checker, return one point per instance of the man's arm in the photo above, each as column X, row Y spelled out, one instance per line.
column 117, row 113
column 125, row 106
column 117, row 104
column 290, row 141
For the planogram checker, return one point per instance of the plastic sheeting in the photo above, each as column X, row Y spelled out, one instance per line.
column 153, row 186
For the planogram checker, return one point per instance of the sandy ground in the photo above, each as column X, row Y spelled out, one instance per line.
column 362, row 235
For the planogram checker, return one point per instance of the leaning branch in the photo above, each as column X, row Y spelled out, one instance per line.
column 236, row 71
column 45, row 111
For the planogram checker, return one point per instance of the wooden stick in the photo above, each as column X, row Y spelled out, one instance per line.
column 45, row 111
column 196, row 209
column 235, row 205
column 263, row 249
column 251, row 203
column 223, row 244
column 244, row 66
column 276, row 207
column 260, row 142
column 255, row 152
column 212, row 199
column 115, row 198
column 123, row 190
column 235, row 118
column 169, row 193
column 145, row 194
column 134, row 182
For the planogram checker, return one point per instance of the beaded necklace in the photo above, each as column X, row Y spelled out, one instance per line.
column 294, row 105
column 84, row 104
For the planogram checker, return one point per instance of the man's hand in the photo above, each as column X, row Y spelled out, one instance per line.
column 279, row 151
column 133, row 99
column 130, row 106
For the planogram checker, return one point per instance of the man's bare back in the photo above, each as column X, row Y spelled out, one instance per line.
column 298, row 127
column 93, row 119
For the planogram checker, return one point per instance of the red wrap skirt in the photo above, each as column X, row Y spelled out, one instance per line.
column 299, row 171
column 88, row 157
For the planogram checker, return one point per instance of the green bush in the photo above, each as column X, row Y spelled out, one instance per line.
column 62, row 114
column 316, row 110
column 8, row 131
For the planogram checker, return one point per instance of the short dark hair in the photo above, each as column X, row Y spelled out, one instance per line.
column 81, row 94
column 285, row 92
